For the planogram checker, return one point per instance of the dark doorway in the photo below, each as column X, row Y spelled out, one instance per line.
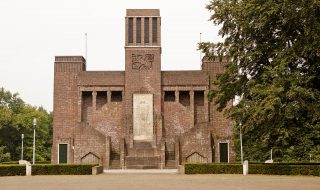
column 63, row 153
column 223, row 147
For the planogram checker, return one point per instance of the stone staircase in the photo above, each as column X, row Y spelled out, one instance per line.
column 170, row 162
column 114, row 160
column 142, row 156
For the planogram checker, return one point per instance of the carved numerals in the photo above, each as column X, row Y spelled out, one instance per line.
column 142, row 61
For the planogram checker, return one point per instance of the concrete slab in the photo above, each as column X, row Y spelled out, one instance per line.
column 145, row 171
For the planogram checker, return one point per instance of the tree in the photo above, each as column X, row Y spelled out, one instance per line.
column 274, row 51
column 16, row 119
column 4, row 157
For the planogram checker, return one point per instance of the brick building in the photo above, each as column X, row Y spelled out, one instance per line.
column 141, row 117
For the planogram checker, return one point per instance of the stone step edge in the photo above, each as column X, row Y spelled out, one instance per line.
column 141, row 171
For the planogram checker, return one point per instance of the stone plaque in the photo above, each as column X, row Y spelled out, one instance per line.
column 143, row 117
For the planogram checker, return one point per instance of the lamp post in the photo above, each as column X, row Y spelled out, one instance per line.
column 241, row 150
column 22, row 137
column 34, row 140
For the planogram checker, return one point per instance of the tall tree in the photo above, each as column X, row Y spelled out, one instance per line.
column 16, row 119
column 274, row 52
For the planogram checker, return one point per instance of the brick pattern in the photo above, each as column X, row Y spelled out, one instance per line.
column 93, row 110
column 177, row 120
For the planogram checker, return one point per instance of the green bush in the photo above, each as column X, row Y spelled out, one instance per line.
column 10, row 162
column 12, row 170
column 285, row 169
column 62, row 169
column 197, row 168
column 47, row 169
column 255, row 168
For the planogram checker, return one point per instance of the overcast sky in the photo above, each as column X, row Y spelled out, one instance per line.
column 32, row 32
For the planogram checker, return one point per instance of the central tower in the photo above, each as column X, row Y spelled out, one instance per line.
column 143, row 76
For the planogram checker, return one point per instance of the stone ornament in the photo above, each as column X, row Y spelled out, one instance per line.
column 142, row 62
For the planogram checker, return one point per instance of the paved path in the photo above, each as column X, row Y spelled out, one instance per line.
column 160, row 181
column 139, row 171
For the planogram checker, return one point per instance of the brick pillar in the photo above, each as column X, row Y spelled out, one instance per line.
column 134, row 31
column 206, row 106
column 122, row 153
column 71, row 151
column 126, row 26
column 162, row 155
column 94, row 101
column 142, row 32
column 106, row 163
column 176, row 93
column 177, row 150
column 150, row 31
column 108, row 96
column 80, row 107
column 210, row 148
column 192, row 106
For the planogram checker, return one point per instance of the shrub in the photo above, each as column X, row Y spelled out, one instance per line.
column 197, row 168
column 10, row 162
column 285, row 169
column 255, row 168
column 47, row 169
column 62, row 169
column 12, row 170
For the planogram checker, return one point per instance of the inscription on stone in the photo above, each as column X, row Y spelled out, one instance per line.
column 142, row 61
column 142, row 116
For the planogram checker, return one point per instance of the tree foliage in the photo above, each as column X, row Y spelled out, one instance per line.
column 16, row 119
column 274, row 52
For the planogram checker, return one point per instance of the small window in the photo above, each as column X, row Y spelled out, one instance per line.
column 86, row 104
column 155, row 30
column 184, row 98
column 199, row 98
column 146, row 31
column 101, row 99
column 116, row 96
column 138, row 30
column 169, row 96
column 130, row 31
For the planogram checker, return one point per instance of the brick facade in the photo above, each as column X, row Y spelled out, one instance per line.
column 94, row 116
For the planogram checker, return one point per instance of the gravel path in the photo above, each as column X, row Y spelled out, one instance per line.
column 160, row 181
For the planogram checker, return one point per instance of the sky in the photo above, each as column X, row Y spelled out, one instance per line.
column 33, row 32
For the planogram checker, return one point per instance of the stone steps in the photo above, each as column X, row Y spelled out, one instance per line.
column 142, row 149
column 142, row 156
column 142, row 167
column 114, row 164
column 142, row 144
column 170, row 164
column 151, row 162
column 142, row 152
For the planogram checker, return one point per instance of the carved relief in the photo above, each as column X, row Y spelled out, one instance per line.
column 142, row 116
column 142, row 62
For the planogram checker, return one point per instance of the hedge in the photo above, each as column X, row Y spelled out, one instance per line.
column 62, row 169
column 47, row 169
column 262, row 168
column 285, row 169
column 197, row 168
column 12, row 170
